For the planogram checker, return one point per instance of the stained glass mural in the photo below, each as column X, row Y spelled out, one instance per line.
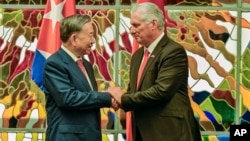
column 215, row 3
column 219, row 67
column 210, row 38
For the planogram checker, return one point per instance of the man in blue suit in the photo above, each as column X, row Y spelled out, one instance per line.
column 72, row 100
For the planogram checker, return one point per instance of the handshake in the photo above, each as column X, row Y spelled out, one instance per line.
column 116, row 93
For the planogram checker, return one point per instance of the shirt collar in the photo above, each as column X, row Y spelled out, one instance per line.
column 75, row 58
column 156, row 41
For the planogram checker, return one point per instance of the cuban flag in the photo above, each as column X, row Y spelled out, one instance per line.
column 49, row 36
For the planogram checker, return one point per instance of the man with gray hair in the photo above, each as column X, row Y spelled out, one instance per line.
column 157, row 94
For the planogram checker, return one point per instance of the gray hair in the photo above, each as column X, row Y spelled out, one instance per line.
column 150, row 12
column 72, row 24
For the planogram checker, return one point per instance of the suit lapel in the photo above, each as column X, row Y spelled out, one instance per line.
column 162, row 43
column 72, row 66
column 90, row 75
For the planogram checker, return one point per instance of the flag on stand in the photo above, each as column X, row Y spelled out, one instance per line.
column 160, row 4
column 49, row 35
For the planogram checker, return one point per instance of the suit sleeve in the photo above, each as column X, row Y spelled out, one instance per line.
column 65, row 88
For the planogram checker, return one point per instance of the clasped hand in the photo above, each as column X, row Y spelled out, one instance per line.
column 116, row 93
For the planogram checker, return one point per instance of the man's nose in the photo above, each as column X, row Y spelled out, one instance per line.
column 131, row 30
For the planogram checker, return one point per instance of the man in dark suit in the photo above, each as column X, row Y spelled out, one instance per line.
column 72, row 100
column 159, row 101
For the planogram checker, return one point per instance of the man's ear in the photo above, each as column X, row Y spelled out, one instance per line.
column 72, row 39
column 155, row 24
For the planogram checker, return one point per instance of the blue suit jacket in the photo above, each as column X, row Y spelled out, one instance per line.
column 73, row 109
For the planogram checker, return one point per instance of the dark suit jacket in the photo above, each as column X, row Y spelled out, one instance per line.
column 73, row 109
column 161, row 106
